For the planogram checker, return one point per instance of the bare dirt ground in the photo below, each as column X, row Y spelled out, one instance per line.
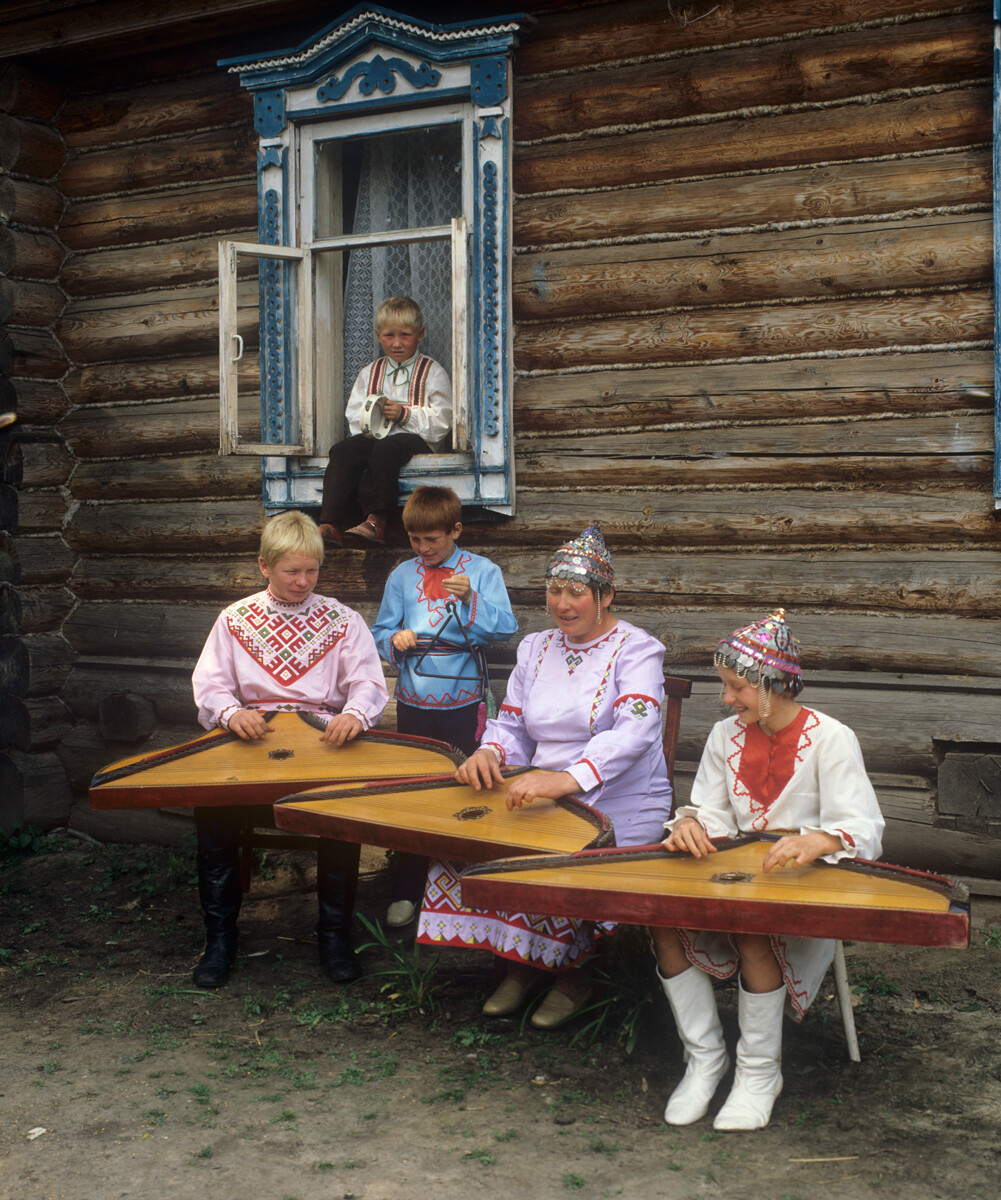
column 119, row 1079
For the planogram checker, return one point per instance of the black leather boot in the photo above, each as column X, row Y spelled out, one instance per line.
column 336, row 883
column 220, row 894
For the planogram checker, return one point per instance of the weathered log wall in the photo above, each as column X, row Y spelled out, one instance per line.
column 752, row 288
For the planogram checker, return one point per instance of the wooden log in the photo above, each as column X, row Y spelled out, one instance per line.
column 32, row 255
column 133, row 827
column 203, row 208
column 220, row 579
column 45, row 608
column 155, row 110
column 184, row 321
column 139, row 629
column 166, row 264
column 837, row 191
column 46, row 463
column 155, row 379
column 176, row 427
column 931, row 381
column 818, row 69
column 844, row 324
column 28, row 93
column 41, row 511
column 8, row 353
column 40, row 402
column 11, row 610
column 191, row 527
column 36, row 304
column 31, row 204
column 6, row 298
column 208, row 155
column 50, row 721
column 11, row 461
column 171, row 478
column 570, row 40
column 9, row 508
column 37, row 354
column 937, row 581
column 960, row 117
column 30, row 147
column 14, row 666
column 928, row 252
column 10, row 563
column 36, row 791
column 167, row 687
column 15, row 724
column 44, row 559
column 125, row 718
column 794, row 517
column 50, row 658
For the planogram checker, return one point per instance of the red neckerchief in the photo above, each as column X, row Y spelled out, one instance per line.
column 432, row 586
column 767, row 763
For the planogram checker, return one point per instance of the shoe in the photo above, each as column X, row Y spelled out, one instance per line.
column 372, row 529
column 693, row 1004
column 507, row 998
column 336, row 880
column 337, row 958
column 331, row 535
column 220, row 895
column 558, row 1008
column 400, row 913
column 758, row 1078
column 214, row 966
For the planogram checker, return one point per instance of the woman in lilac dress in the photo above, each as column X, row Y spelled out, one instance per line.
column 583, row 706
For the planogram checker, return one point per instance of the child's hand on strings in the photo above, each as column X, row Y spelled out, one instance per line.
column 689, row 836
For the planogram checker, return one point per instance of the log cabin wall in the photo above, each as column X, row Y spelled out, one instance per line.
column 754, row 338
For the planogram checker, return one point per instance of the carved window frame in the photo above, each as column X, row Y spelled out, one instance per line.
column 368, row 68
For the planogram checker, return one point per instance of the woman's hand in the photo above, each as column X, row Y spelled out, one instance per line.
column 536, row 785
column 480, row 770
column 689, row 836
column 404, row 639
column 248, row 724
column 800, row 849
column 340, row 729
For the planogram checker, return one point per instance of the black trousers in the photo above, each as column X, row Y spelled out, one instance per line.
column 363, row 476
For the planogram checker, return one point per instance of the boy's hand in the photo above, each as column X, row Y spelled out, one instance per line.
column 544, row 785
column 800, row 849
column 248, row 724
column 340, row 729
column 480, row 770
column 391, row 409
column 405, row 639
column 689, row 836
column 459, row 586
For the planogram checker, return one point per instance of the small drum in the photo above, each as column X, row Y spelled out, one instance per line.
column 373, row 423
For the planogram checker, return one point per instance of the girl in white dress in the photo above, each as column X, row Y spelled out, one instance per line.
column 772, row 765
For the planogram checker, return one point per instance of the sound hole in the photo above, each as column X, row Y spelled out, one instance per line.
column 471, row 813
column 280, row 754
column 731, row 877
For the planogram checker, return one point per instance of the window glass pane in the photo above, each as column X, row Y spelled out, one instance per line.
column 410, row 179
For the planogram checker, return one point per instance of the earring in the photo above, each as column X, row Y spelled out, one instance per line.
column 764, row 700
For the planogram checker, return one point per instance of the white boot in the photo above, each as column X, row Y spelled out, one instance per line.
column 758, row 1078
column 693, row 1003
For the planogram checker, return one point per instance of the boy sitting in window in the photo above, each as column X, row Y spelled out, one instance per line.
column 362, row 476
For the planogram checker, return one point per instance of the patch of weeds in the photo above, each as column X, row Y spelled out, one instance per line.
column 164, row 1037
column 576, row 1096
column 472, row 1037
column 287, row 1118
column 482, row 1156
column 508, row 1135
column 385, row 1065
column 410, row 980
column 136, row 1058
column 572, row 1181
column 353, row 1164
column 50, row 1068
column 21, row 842
column 33, row 927
column 6, row 955
column 154, row 1116
column 325, row 1166
column 713, row 1135
column 673, row 1166
column 874, row 983
column 99, row 912
column 992, row 937
column 629, row 990
column 600, row 1147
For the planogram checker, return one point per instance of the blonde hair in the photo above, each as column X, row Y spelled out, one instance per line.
column 290, row 533
column 432, row 508
column 399, row 310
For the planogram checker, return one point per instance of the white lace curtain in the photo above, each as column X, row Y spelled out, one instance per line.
column 408, row 180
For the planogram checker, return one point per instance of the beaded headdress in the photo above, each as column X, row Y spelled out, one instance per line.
column 584, row 561
column 766, row 653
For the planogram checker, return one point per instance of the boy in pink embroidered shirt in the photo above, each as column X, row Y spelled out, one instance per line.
column 772, row 765
column 285, row 648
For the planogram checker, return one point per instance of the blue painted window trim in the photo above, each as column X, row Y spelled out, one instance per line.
column 997, row 254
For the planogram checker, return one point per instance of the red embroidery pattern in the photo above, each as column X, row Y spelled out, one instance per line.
column 286, row 644
column 641, row 706
column 430, row 589
column 767, row 764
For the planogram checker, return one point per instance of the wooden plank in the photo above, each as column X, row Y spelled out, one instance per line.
column 206, row 476
column 569, row 40
column 29, row 93
column 959, row 117
column 30, row 148
column 167, row 264
column 201, row 208
column 36, row 205
column 36, row 305
column 46, row 464
column 40, row 402
column 925, row 252
column 45, row 559
column 821, row 68
column 211, row 155
column 929, row 381
column 41, row 511
column 37, row 354
column 191, row 527
column 129, row 431
column 161, row 378
column 835, row 325
column 33, row 255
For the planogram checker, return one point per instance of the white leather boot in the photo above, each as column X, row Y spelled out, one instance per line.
column 758, row 1078
column 693, row 1003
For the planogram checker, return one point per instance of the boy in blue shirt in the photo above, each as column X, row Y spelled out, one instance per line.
column 446, row 698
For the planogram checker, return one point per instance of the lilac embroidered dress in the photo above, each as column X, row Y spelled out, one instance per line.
column 593, row 710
